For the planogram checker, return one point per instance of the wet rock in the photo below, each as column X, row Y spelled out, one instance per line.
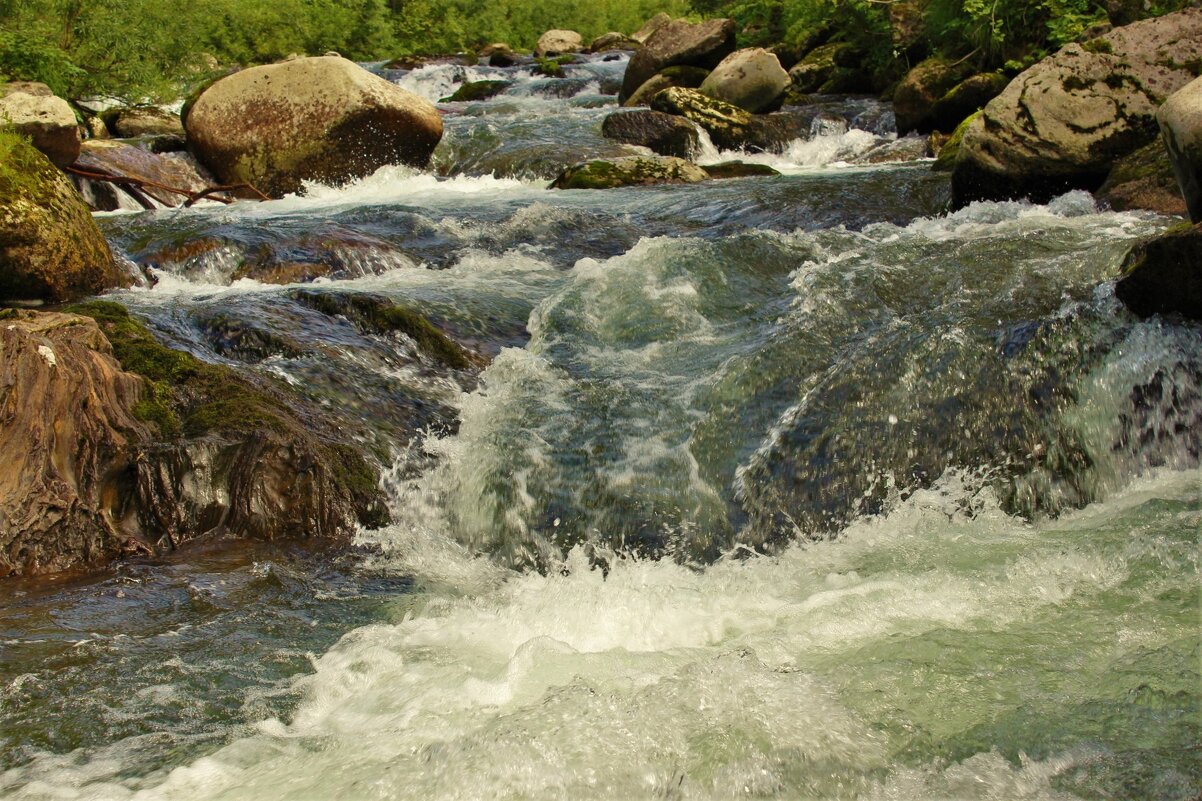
column 321, row 119
column 613, row 40
column 945, row 159
column 738, row 169
column 726, row 124
column 1061, row 124
column 557, row 43
column 33, row 111
column 477, row 90
column 904, row 149
column 177, row 170
column 924, row 85
column 629, row 171
column 684, row 77
column 1164, row 275
column 816, row 68
column 1180, row 120
column 665, row 134
column 499, row 54
column 965, row 98
column 679, row 42
column 1143, row 180
column 751, row 79
column 135, row 447
column 129, row 123
column 50, row 247
column 651, row 26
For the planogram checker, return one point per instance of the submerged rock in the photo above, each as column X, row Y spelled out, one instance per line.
column 738, row 169
column 1061, row 124
column 120, row 445
column 477, row 90
column 751, row 79
column 1164, row 275
column 679, row 42
column 50, row 247
column 309, row 119
column 1180, row 120
column 32, row 110
column 665, row 134
column 629, row 171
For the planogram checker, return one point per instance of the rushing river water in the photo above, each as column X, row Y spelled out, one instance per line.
column 792, row 487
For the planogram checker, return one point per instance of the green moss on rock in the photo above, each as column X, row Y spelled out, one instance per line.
column 946, row 160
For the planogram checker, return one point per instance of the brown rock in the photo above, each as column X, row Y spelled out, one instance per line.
column 179, row 170
column 751, row 79
column 1164, row 275
column 558, row 43
column 146, row 121
column 651, row 26
column 320, row 119
column 915, row 97
column 703, row 44
column 32, row 110
column 665, row 134
column 1143, row 180
column 684, row 77
column 1180, row 120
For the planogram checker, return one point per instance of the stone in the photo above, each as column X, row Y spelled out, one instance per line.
column 1164, row 275
column 1062, row 123
column 499, row 54
column 50, row 247
column 611, row 41
column 665, row 134
column 33, row 111
column 815, row 68
column 751, row 79
column 473, row 91
column 915, row 97
column 945, row 159
column 685, row 77
column 1143, row 180
column 965, row 98
column 1180, row 120
column 128, row 123
column 310, row 119
column 558, row 43
column 179, row 170
column 651, row 26
column 738, row 169
column 629, row 171
column 727, row 125
column 679, row 42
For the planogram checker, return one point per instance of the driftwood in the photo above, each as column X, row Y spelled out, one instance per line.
column 134, row 187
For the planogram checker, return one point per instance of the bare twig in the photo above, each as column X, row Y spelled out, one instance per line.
column 135, row 185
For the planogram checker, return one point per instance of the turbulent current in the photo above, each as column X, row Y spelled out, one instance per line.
column 792, row 487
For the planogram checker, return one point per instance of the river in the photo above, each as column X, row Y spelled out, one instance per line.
column 790, row 487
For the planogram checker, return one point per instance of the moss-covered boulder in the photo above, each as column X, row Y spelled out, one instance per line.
column 915, row 97
column 1180, row 120
column 629, row 171
column 817, row 67
column 1164, row 275
column 738, row 169
column 965, row 98
column 1143, row 180
column 751, row 78
column 32, row 110
column 679, row 42
column 50, row 247
column 683, row 77
column 665, row 134
column 474, row 91
column 1061, row 124
column 727, row 125
column 945, row 159
column 308, row 119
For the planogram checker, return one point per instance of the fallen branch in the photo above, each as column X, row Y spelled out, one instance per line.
column 134, row 187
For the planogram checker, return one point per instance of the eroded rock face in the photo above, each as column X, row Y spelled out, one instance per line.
column 50, row 247
column 629, row 171
column 321, row 119
column 679, row 42
column 751, row 79
column 33, row 111
column 665, row 134
column 1060, row 124
column 557, row 43
column 113, row 444
column 1180, row 121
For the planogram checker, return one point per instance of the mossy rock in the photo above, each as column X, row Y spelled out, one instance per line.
column 629, row 171
column 739, row 169
column 474, row 91
column 378, row 315
column 50, row 247
column 945, row 161
column 726, row 124
column 1144, row 180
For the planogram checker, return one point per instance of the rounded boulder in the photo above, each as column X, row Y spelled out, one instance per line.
column 1180, row 121
column 33, row 111
column 751, row 79
column 320, row 119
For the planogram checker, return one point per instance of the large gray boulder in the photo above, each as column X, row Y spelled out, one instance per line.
column 1180, row 121
column 32, row 110
column 308, row 119
column 558, row 43
column 1060, row 124
column 751, row 79
column 679, row 42
column 665, row 134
